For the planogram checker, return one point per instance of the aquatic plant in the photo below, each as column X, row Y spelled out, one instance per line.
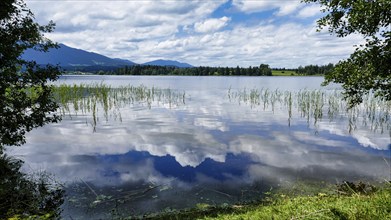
column 90, row 98
column 318, row 105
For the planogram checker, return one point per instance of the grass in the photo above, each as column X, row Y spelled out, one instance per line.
column 289, row 73
column 350, row 203
column 376, row 206
column 322, row 206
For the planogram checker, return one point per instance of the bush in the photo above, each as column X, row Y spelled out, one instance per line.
column 23, row 195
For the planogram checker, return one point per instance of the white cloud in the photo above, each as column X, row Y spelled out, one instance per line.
column 309, row 11
column 287, row 45
column 284, row 7
column 94, row 25
column 183, row 30
column 253, row 6
column 288, row 7
column 211, row 25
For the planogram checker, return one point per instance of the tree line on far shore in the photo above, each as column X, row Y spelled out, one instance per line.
column 261, row 70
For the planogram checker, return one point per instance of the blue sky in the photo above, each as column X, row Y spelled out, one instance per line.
column 281, row 33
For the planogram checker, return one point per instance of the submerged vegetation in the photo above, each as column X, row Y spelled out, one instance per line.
column 298, row 200
column 316, row 105
column 343, row 201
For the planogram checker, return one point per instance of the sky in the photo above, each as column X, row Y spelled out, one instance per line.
column 281, row 33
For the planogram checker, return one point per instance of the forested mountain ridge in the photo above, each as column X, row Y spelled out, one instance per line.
column 80, row 60
column 75, row 60
column 68, row 57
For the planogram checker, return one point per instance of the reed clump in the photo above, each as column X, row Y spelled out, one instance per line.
column 316, row 105
column 91, row 98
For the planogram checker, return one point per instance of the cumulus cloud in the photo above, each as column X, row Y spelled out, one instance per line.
column 184, row 30
column 309, row 11
column 287, row 7
column 211, row 25
column 252, row 6
column 283, row 7
column 98, row 25
column 286, row 45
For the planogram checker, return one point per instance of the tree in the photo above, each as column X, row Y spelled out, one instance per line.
column 369, row 68
column 237, row 71
column 265, row 70
column 25, row 95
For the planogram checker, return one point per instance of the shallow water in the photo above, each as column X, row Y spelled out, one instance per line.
column 211, row 148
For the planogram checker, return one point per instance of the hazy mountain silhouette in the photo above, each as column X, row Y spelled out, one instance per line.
column 77, row 59
column 168, row 63
column 71, row 57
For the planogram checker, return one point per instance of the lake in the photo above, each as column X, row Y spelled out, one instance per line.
column 205, row 140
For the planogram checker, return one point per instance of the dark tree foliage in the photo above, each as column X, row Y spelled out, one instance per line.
column 262, row 70
column 27, row 197
column 25, row 96
column 315, row 69
column 369, row 68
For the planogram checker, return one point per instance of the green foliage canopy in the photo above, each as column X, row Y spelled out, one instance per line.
column 315, row 69
column 262, row 70
column 25, row 96
column 368, row 69
column 28, row 196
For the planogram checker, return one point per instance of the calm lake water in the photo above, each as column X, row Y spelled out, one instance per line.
column 213, row 147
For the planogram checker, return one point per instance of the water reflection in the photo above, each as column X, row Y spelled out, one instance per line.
column 209, row 150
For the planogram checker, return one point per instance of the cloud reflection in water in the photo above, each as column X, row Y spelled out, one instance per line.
column 209, row 148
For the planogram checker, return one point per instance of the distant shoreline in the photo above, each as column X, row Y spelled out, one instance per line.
column 274, row 73
column 261, row 70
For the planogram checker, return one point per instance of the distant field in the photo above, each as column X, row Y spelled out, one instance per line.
column 284, row 73
column 289, row 73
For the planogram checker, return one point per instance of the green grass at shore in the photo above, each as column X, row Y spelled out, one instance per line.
column 289, row 73
column 376, row 205
column 352, row 202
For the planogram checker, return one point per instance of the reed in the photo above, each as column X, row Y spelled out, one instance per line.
column 317, row 105
column 89, row 99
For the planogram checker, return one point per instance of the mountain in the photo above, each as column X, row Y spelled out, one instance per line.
column 72, row 58
column 76, row 59
column 168, row 63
